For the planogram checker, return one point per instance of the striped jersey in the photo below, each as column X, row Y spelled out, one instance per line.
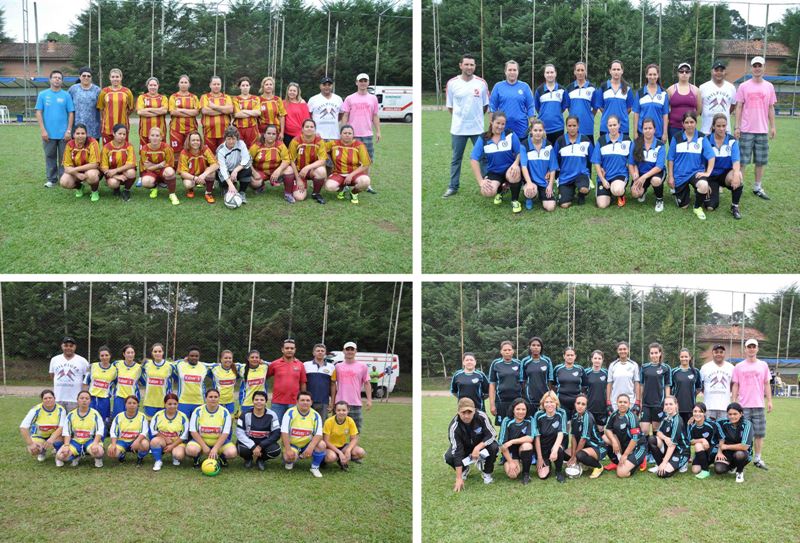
column 75, row 156
column 162, row 153
column 548, row 427
column 267, row 158
column 195, row 164
column 516, row 101
column 537, row 376
column 513, row 429
column 303, row 153
column 709, row 431
column 214, row 125
column 653, row 156
column 550, row 105
column 347, row 158
column 101, row 380
column 538, row 161
column 271, row 112
column 251, row 103
column 725, row 155
column 569, row 157
column 625, row 428
column 183, row 125
column 82, row 429
column 688, row 157
column 686, row 383
column 594, row 386
column 499, row 155
column 612, row 155
column 613, row 102
column 673, row 428
column 506, row 378
column 113, row 157
column 585, row 427
column 741, row 433
column 651, row 106
column 115, row 106
column 146, row 101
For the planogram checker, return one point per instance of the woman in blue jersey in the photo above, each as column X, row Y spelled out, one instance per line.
column 550, row 101
column 580, row 97
column 516, row 442
column 501, row 150
column 687, row 156
column 570, row 158
column 646, row 164
column 568, row 378
column 735, row 443
column 727, row 170
column 614, row 97
column 651, row 102
column 538, row 178
column 550, row 437
column 514, row 98
column 610, row 159
column 623, row 437
column 704, row 439
column 670, row 445
column 587, row 446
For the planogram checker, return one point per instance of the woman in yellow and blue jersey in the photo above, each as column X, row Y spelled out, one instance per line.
column 169, row 431
column 210, row 427
column 41, row 427
column 254, row 377
column 190, row 374
column 157, row 377
column 83, row 433
column 129, row 432
column 100, row 379
column 301, row 435
column 129, row 376
column 223, row 376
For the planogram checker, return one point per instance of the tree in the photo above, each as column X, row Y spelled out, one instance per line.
column 788, row 33
column 55, row 36
column 4, row 38
column 768, row 318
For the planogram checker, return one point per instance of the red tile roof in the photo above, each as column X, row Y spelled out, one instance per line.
column 751, row 48
column 13, row 51
column 714, row 332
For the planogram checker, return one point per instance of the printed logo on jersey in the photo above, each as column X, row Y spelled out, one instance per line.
column 193, row 378
column 259, row 434
column 478, row 430
column 156, row 381
column 210, row 430
column 583, row 147
column 546, row 153
column 476, row 92
column 659, row 372
column 674, row 458
column 543, row 368
column 227, row 382
column 129, row 436
column 99, row 383
column 300, row 432
column 125, row 380
column 623, row 426
column 255, row 382
column 574, row 373
column 82, row 434
column 170, row 435
column 555, row 424
column 696, row 145
column 705, row 434
column 690, row 377
column 519, row 92
column 515, row 368
column 475, row 380
column 602, row 377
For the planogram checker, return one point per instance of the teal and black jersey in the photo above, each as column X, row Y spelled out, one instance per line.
column 741, row 433
column 594, row 386
column 537, row 376
column 585, row 427
column 568, row 381
column 673, row 428
column 507, row 378
column 626, row 428
column 655, row 379
column 547, row 427
column 709, row 431
column 511, row 429
column 474, row 386
column 685, row 386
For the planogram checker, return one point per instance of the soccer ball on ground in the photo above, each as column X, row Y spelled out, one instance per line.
column 232, row 200
column 210, row 467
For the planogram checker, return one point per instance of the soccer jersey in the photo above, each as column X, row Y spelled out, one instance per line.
column 516, row 101
column 717, row 100
column 688, row 157
column 655, row 379
column 303, row 154
column 538, row 161
column 585, row 427
column 708, row 430
column 183, row 125
column 157, row 378
column 651, row 106
column 467, row 100
column 612, row 155
column 224, row 381
column 267, row 158
column 162, row 153
column 537, row 375
column 567, row 381
column 271, row 112
column 113, row 157
column 195, row 164
column 569, row 158
column 717, row 382
column 741, row 433
column 128, row 378
column 613, row 102
column 145, row 101
column 579, row 103
column 74, row 156
column 251, row 103
column 325, row 112
column 511, row 429
column 623, row 377
column 473, row 385
column 347, row 158
column 128, row 429
column 673, row 428
column 170, row 428
column 725, row 155
column 301, row 428
column 594, row 385
column 626, row 429
column 506, row 378
column 42, row 423
column 550, row 106
column 340, row 434
column 252, row 379
column 115, row 106
column 214, row 125
column 82, row 429
column 190, row 380
column 686, row 383
column 653, row 156
column 319, row 380
column 210, row 424
column 101, row 380
column 548, row 427
column 288, row 376
column 500, row 155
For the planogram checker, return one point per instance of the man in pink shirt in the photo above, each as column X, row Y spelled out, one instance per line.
column 750, row 387
column 360, row 110
column 755, row 117
column 348, row 379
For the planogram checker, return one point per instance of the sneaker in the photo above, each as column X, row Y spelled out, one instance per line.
column 126, row 195
column 243, row 196
column 157, row 465
column 354, row 198
column 611, row 466
column 49, row 184
column 117, row 192
column 261, row 188
column 317, row 197
column 190, row 193
column 174, row 199
column 465, row 472
column 760, row 464
column 95, row 196
column 516, row 207
column 209, row 197
column 98, row 462
column 371, row 190
column 59, row 463
column 581, row 198
column 641, row 199
column 659, row 205
column 260, row 465
column 121, row 458
column 154, row 192
column 223, row 462
column 763, row 195
column 498, row 199
column 79, row 192
column 620, row 201
column 735, row 212
column 654, row 469
column 162, row 185
column 700, row 213
column 596, row 472
column 139, row 461
column 248, row 463
column 643, row 465
column 316, row 473
column 288, row 197
column 449, row 192
column 526, row 479
column 684, row 468
column 740, row 475
column 288, row 465
column 528, row 203
column 705, row 474
column 487, row 478
column 340, row 195
column 75, row 462
column 176, row 462
column 40, row 457
column 560, row 477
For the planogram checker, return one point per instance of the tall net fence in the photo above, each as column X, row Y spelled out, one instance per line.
column 212, row 316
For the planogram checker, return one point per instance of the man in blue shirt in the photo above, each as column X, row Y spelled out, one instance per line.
column 515, row 99
column 54, row 113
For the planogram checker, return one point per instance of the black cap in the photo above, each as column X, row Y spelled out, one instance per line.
column 718, row 64
column 718, row 346
column 68, row 339
column 325, row 79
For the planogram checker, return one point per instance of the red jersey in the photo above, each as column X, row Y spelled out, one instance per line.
column 115, row 106
column 113, row 157
column 195, row 164
column 183, row 125
column 303, row 153
column 288, row 378
column 146, row 101
column 347, row 158
column 74, row 157
column 251, row 103
column 214, row 125
column 266, row 158
column 161, row 154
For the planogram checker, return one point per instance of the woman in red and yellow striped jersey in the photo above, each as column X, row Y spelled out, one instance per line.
column 210, row 427
column 155, row 163
column 129, row 432
column 197, row 165
column 271, row 162
column 217, row 109
column 152, row 109
column 350, row 164
column 118, row 163
column 246, row 112
column 308, row 155
column 169, row 431
column 83, row 433
column 115, row 103
column 272, row 109
column 81, row 163
column 184, row 107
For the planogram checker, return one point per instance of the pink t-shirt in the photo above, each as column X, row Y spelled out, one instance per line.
column 751, row 377
column 360, row 108
column 756, row 98
column 350, row 379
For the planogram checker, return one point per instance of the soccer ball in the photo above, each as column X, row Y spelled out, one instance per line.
column 210, row 467
column 573, row 472
column 232, row 200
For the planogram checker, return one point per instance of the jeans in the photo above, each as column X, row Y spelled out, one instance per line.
column 53, row 153
column 459, row 144
column 281, row 409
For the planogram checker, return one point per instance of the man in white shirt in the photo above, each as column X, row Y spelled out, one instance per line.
column 719, row 96
column 68, row 371
column 326, row 110
column 467, row 101
column 717, row 376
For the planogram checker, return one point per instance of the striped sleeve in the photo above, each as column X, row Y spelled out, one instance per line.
column 503, row 430
column 154, row 424
column 747, row 433
column 488, row 426
column 586, row 424
column 535, row 424
column 563, row 417
column 114, row 432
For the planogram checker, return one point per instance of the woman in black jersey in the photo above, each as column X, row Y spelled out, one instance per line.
column 505, row 382
column 704, row 439
column 258, row 433
column 568, row 378
column 623, row 437
column 587, row 445
column 670, row 445
column 550, row 436
column 686, row 383
column 516, row 441
column 595, row 379
column 735, row 444
column 537, row 372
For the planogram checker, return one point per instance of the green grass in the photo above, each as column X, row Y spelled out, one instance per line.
column 468, row 234
column 51, row 231
column 644, row 508
column 371, row 502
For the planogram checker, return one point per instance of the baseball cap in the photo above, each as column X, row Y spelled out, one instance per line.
column 751, row 341
column 325, row 79
column 350, row 344
column 718, row 346
column 361, row 76
column 685, row 65
column 466, row 404
column 757, row 60
column 718, row 64
column 68, row 339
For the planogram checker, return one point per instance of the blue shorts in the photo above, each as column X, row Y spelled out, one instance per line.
column 245, row 409
column 102, row 406
column 150, row 412
column 119, row 406
column 126, row 445
column 188, row 408
column 79, row 449
column 231, row 407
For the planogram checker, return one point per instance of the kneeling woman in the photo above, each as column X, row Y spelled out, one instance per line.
column 234, row 165
column 570, row 158
column 587, row 447
column 502, row 152
column 81, row 163
column 727, row 170
column 308, row 155
column 735, row 444
column 646, row 164
column 155, row 163
column 704, row 439
column 42, row 426
column 350, row 165
column 340, row 435
column 622, row 435
column 118, row 163
column 610, row 158
column 537, row 174
column 197, row 166
column 258, row 432
column 670, row 445
column 516, row 441
column 210, row 427
column 687, row 152
column 271, row 163
column 169, row 431
column 129, row 433
column 83, row 433
column 550, row 436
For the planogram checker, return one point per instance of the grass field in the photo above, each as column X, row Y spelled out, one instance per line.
column 371, row 502
column 468, row 234
column 51, row 231
column 644, row 508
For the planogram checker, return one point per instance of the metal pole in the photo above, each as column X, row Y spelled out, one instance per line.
column 481, row 39
column 533, row 46
column 517, row 343
column 152, row 33
column 64, row 291
column 291, row 308
column 713, row 33
column 175, row 319
column 252, row 306
column 36, row 33
column 766, row 32
column 744, row 306
column 394, row 340
column 219, row 321
column 224, row 49
column 325, row 314
column 694, row 325
column 683, row 322
column 789, row 328
column 335, row 49
column 641, row 49
column 283, row 39
column 461, row 311
column 391, row 313
column 730, row 341
column 90, row 35
column 746, row 51
column 3, row 339
column 89, row 333
column 630, row 317
column 161, row 59
column 99, row 49
column 641, row 360
column 377, row 51
column 794, row 91
column 660, row 12
column 144, row 303
column 169, row 314
column 328, row 50
column 216, row 26
column 780, row 329
column 696, row 37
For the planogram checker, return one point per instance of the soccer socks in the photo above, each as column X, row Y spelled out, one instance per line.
column 587, row 460
column 659, row 191
column 526, row 457
column 243, row 186
column 515, row 190
column 288, row 184
column 699, row 199
column 701, row 459
column 157, row 452
column 142, row 454
column 170, row 185
column 318, row 185
column 737, row 195
column 316, row 459
column 129, row 183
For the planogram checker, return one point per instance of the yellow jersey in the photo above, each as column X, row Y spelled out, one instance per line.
column 301, row 428
column 82, row 429
column 340, row 434
column 170, row 428
column 128, row 429
column 157, row 382
column 42, row 423
column 191, row 381
column 211, row 425
column 224, row 381
column 256, row 379
column 127, row 379
column 100, row 379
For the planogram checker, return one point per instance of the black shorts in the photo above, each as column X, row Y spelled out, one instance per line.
column 636, row 457
column 245, row 175
column 602, row 191
column 547, row 445
column 600, row 419
column 552, row 137
column 652, row 414
column 497, row 176
column 568, row 405
column 513, row 450
column 541, row 196
column 566, row 193
column 682, row 195
column 502, row 410
column 719, row 179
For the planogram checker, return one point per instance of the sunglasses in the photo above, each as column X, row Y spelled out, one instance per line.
column 684, row 71
column 752, row 346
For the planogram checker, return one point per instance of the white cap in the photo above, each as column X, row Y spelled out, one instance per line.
column 350, row 344
column 361, row 76
column 751, row 341
column 757, row 60
column 685, row 65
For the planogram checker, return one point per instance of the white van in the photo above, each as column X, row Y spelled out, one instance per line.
column 387, row 364
column 394, row 102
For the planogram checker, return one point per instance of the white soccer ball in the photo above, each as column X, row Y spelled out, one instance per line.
column 573, row 472
column 232, row 200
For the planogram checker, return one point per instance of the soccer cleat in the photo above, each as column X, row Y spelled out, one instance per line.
column 223, row 462
column 121, row 458
column 526, row 479
column 528, row 203
column 340, row 195
column 684, row 468
column 735, row 212
column 760, row 464
column 654, row 469
column 465, row 472
column 611, row 466
column 260, row 465
column 98, row 462
column 700, row 213
column 75, row 462
column 243, row 197
column 498, row 199
column 95, row 196
column 79, row 192
column 139, row 461
column 176, row 462
column 354, row 198
column 248, row 463
column 596, row 472
column 209, row 197
column 763, row 195
column 117, row 192
column 487, row 478
column 190, row 193
column 261, row 188
column 174, row 199
column 40, row 457
column 705, row 474
column 49, row 184
column 288, row 465
column 620, row 201
column 641, row 199
column 449, row 192
column 659, row 205
column 154, row 192
column 316, row 473
column 126, row 195
column 740, row 477
column 560, row 477
column 516, row 207
column 59, row 463
column 371, row 190
column 317, row 197
column 157, row 465
column 288, row 197
column 643, row 465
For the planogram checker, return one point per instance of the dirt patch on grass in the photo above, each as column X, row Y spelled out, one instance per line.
column 673, row 512
column 387, row 226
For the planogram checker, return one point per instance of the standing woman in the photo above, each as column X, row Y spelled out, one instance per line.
column 614, row 97
column 223, row 377
column 81, row 163
column 118, row 163
column 184, row 107
column 254, row 377
column 157, row 376
column 656, row 385
column 308, row 155
column 271, row 163
column 610, row 159
column 652, row 102
column 727, row 170
column 246, row 112
column 197, row 165
column 735, row 444
column 504, row 382
column 537, row 372
column 350, row 165
column 100, row 380
column 683, row 97
column 296, row 113
column 129, row 375
column 115, row 103
column 587, row 447
column 169, row 431
column 501, row 151
column 550, row 436
column 41, row 429
column 550, row 101
column 704, row 439
column 580, row 97
column 623, row 437
column 83, row 433
column 537, row 174
column 217, row 109
column 691, row 161
column 571, row 160
column 567, row 379
column 272, row 108
column 686, row 383
column 152, row 109
column 190, row 374
column 470, row 383
column 129, row 432
column 155, row 164
column 210, row 427
column 646, row 164
column 594, row 383
column 516, row 441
